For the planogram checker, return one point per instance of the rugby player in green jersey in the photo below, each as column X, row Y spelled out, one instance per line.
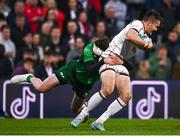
column 81, row 74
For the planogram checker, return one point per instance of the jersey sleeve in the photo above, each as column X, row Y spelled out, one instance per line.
column 88, row 53
column 137, row 25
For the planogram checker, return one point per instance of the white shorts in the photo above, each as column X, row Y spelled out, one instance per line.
column 118, row 69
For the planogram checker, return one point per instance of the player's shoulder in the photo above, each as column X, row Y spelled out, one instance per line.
column 137, row 25
column 88, row 47
column 136, row 22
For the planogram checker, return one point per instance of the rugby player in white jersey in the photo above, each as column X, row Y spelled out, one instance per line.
column 123, row 45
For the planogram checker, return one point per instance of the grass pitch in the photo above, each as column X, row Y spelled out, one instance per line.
column 113, row 126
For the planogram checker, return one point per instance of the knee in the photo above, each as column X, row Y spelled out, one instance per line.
column 126, row 96
column 39, row 89
column 106, row 91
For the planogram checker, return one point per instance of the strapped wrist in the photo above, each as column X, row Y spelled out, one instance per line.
column 146, row 44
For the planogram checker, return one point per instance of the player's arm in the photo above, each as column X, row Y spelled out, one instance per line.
column 133, row 37
column 93, row 67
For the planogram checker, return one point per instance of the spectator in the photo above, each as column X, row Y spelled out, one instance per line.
column 28, row 54
column 50, row 18
column 177, row 29
column 45, row 69
column 110, row 21
column 136, row 9
column 77, row 51
column 4, row 8
column 160, row 64
column 72, row 31
column 44, row 34
column 5, row 64
column 10, row 50
column 56, row 44
column 27, row 44
column 34, row 14
column 26, row 67
column 73, row 10
column 56, row 60
column 171, row 44
column 143, row 70
column 167, row 10
column 85, row 27
column 100, row 30
column 30, row 45
column 37, row 46
column 3, row 22
column 60, row 17
column 94, row 10
column 18, row 33
column 120, row 12
column 18, row 9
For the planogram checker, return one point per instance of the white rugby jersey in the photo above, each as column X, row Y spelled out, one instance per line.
column 119, row 44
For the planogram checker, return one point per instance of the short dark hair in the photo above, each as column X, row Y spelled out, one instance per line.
column 2, row 49
column 5, row 27
column 152, row 15
column 28, row 60
column 102, row 43
column 79, row 37
column 162, row 47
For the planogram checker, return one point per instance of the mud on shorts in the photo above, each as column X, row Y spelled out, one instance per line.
column 66, row 75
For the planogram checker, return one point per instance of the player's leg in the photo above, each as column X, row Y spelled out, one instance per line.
column 77, row 104
column 20, row 78
column 124, row 89
column 41, row 86
column 107, row 87
column 46, row 85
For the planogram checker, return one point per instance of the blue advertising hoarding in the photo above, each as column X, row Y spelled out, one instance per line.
column 151, row 99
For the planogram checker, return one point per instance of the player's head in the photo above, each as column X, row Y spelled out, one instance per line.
column 152, row 21
column 100, row 45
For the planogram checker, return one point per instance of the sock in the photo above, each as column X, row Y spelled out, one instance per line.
column 92, row 103
column 113, row 108
column 29, row 78
column 82, row 107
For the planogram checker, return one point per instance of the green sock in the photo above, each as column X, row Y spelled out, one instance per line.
column 29, row 78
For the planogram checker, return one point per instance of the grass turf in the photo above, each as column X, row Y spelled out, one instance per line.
column 113, row 126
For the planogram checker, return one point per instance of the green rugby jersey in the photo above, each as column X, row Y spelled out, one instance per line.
column 81, row 72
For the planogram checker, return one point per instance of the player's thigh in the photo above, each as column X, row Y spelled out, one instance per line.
column 76, row 103
column 107, row 82
column 49, row 83
column 123, row 86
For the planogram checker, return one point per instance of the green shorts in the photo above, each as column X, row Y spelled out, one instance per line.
column 67, row 75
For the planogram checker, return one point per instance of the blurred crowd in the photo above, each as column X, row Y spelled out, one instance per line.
column 39, row 36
